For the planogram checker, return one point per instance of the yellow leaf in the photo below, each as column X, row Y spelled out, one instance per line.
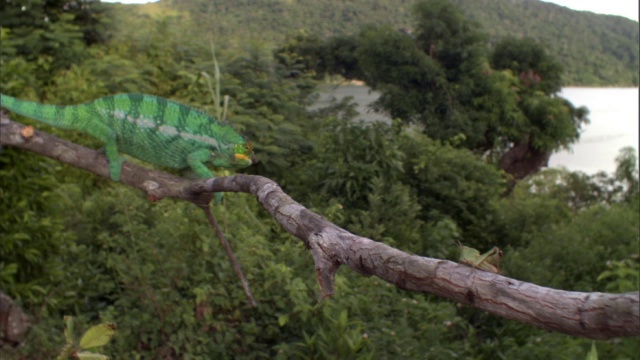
column 85, row 355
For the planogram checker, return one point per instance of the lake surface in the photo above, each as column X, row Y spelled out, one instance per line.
column 613, row 114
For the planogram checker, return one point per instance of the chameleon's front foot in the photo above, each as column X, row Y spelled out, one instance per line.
column 217, row 198
column 115, row 168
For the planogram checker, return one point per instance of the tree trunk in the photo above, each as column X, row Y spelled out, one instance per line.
column 523, row 160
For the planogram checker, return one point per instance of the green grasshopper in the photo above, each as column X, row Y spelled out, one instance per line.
column 489, row 261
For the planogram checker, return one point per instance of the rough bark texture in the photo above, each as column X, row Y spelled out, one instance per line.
column 591, row 315
column 14, row 323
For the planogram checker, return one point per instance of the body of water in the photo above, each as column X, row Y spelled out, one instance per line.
column 613, row 114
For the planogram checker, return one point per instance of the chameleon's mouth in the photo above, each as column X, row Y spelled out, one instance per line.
column 242, row 157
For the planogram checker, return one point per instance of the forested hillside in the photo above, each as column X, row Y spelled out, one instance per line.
column 595, row 50
column 75, row 243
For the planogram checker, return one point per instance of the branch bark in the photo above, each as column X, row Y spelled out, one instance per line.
column 14, row 323
column 590, row 315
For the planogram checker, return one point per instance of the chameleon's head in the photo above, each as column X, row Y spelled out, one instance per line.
column 241, row 155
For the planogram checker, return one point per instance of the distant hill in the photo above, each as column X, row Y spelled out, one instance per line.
column 596, row 50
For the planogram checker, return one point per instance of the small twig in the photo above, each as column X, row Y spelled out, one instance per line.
column 227, row 248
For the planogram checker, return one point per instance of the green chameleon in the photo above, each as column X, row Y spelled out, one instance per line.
column 150, row 128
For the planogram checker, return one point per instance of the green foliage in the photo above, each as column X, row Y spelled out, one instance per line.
column 18, row 75
column 583, row 42
column 529, row 208
column 603, row 230
column 333, row 337
column 391, row 215
column 39, row 29
column 439, row 77
column 622, row 276
column 593, row 237
column 530, row 61
column 77, row 85
column 596, row 50
column 305, row 52
column 413, row 85
column 443, row 33
column 553, row 122
column 593, row 353
column 451, row 183
column 268, row 106
column 32, row 228
column 627, row 174
column 353, row 155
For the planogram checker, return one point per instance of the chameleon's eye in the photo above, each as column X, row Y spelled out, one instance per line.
column 238, row 149
column 244, row 149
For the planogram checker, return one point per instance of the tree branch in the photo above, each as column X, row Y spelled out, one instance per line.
column 14, row 323
column 591, row 315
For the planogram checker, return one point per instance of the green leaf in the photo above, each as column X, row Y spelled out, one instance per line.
column 98, row 335
column 7, row 271
column 283, row 319
column 593, row 354
column 68, row 329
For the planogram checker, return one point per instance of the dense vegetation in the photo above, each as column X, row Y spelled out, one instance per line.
column 75, row 244
column 596, row 50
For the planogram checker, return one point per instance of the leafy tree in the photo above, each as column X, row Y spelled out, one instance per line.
column 604, row 226
column 440, row 77
column 401, row 187
column 41, row 29
column 455, row 189
column 352, row 156
column 595, row 236
column 413, row 85
column 530, row 61
column 446, row 35
column 627, row 173
column 33, row 229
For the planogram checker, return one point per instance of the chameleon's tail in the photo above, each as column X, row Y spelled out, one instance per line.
column 50, row 114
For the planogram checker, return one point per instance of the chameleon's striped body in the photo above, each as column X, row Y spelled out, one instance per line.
column 149, row 128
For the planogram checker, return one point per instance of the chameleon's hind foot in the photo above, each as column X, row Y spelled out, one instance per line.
column 217, row 198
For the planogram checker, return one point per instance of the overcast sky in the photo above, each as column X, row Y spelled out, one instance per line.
column 626, row 8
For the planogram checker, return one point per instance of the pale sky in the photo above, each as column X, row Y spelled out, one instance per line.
column 626, row 8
